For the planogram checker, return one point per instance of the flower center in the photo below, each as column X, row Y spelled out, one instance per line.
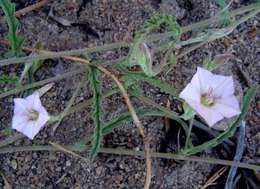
column 34, row 115
column 207, row 99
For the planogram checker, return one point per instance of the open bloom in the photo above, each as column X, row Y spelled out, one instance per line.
column 29, row 115
column 211, row 96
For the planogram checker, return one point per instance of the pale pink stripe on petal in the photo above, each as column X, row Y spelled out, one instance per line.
column 222, row 85
column 190, row 92
column 20, row 106
column 208, row 114
column 205, row 78
column 228, row 107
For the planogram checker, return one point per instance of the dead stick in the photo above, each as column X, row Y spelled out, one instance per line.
column 28, row 9
column 64, row 149
column 31, row 8
column 121, row 151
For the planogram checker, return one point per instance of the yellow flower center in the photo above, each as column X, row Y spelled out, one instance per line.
column 208, row 102
column 207, row 99
column 34, row 115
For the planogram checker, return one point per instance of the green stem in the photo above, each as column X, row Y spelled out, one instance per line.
column 70, row 103
column 119, row 151
column 11, row 139
column 207, row 22
column 43, row 82
column 189, row 133
column 52, row 55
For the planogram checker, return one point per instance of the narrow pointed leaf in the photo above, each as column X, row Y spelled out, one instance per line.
column 97, row 112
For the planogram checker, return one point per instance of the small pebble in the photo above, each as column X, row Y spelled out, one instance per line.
column 14, row 164
column 68, row 163
column 99, row 170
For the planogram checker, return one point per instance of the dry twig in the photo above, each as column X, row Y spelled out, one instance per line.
column 214, row 177
column 28, row 9
column 64, row 149
column 7, row 184
column 121, row 151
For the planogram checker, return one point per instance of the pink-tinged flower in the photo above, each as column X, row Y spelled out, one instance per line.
column 29, row 115
column 211, row 96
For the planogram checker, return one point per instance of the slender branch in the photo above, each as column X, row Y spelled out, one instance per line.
column 66, row 150
column 68, row 106
column 50, row 55
column 158, row 106
column 189, row 133
column 205, row 23
column 11, row 139
column 42, row 82
column 190, row 49
column 28, row 9
column 7, row 184
column 120, row 151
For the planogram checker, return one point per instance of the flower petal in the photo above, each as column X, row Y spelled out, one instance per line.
column 222, row 85
column 227, row 106
column 23, row 125
column 204, row 78
column 39, row 124
column 43, row 118
column 22, row 110
column 36, row 129
column 217, row 87
column 28, row 130
column 210, row 115
column 190, row 92
column 18, row 121
column 33, row 101
column 20, row 106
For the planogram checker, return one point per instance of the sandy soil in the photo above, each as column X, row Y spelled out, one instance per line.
column 109, row 22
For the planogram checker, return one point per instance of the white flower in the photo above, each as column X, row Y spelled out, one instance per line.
column 29, row 115
column 211, row 96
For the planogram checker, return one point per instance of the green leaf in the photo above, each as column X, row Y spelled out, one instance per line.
column 144, row 58
column 132, row 78
column 217, row 61
column 251, row 92
column 15, row 40
column 33, row 69
column 97, row 112
column 28, row 73
column 172, row 59
column 141, row 56
column 8, row 79
column 188, row 112
column 209, row 65
column 8, row 131
column 126, row 117
column 226, row 19
column 30, row 69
